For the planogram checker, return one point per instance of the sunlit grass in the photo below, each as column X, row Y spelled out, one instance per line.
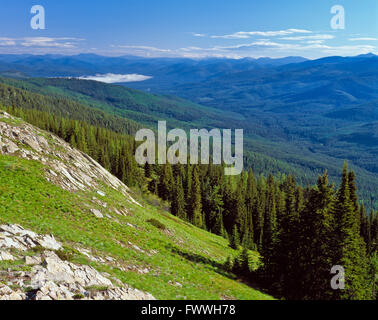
column 184, row 262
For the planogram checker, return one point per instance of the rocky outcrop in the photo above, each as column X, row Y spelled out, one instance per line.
column 16, row 237
column 65, row 166
column 37, row 267
column 43, row 275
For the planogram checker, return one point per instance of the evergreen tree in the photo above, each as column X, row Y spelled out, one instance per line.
column 218, row 227
column 196, row 205
column 285, row 252
column 213, row 207
column 316, row 243
column 228, row 265
column 258, row 213
column 247, row 241
column 241, row 263
column 166, row 182
column 235, row 238
column 365, row 228
column 178, row 200
column 250, row 200
column 270, row 222
column 300, row 233
column 147, row 170
column 229, row 205
column 373, row 232
column 350, row 248
column 240, row 212
column 188, row 189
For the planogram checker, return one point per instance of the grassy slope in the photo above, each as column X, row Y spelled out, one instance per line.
column 186, row 254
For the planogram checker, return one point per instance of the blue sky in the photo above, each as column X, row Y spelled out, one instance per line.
column 191, row 28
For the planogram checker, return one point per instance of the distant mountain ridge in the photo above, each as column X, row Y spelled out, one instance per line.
column 171, row 70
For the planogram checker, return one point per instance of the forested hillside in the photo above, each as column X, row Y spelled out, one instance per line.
column 299, row 232
column 69, row 230
column 268, row 149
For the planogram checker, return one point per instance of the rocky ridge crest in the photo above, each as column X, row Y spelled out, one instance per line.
column 38, row 265
column 67, row 167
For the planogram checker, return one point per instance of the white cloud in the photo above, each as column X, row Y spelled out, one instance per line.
column 144, row 48
column 46, row 42
column 349, row 50
column 199, row 34
column 63, row 42
column 310, row 47
column 312, row 37
column 363, row 39
column 116, row 78
column 256, row 44
column 315, row 41
column 7, row 42
column 246, row 35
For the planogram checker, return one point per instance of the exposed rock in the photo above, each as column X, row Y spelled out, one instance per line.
column 135, row 247
column 99, row 202
column 7, row 293
column 97, row 213
column 44, row 275
column 143, row 271
column 53, row 173
column 56, row 270
column 4, row 290
column 117, row 212
column 130, row 225
column 175, row 284
column 16, row 237
column 6, row 256
column 67, row 167
column 49, row 242
column 51, row 278
column 32, row 142
column 101, row 193
column 89, row 255
column 33, row 260
column 8, row 146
